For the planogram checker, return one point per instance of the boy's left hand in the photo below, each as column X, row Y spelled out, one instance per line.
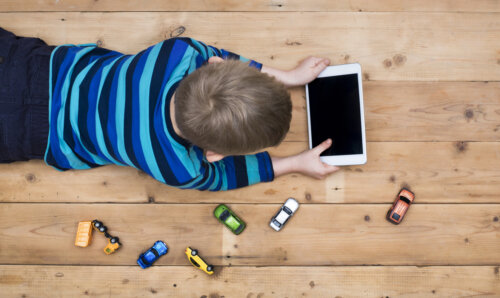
column 308, row 163
column 307, row 70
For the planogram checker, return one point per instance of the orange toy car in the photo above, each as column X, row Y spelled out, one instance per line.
column 400, row 206
column 83, row 234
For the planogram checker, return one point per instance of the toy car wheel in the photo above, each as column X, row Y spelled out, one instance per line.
column 102, row 229
column 194, row 252
column 210, row 268
column 113, row 239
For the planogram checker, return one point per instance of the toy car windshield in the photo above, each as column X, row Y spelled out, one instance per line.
column 405, row 199
column 224, row 215
column 194, row 262
column 239, row 229
column 277, row 223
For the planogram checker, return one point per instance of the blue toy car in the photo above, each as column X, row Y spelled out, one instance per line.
column 147, row 258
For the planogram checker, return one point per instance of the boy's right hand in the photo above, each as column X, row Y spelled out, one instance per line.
column 310, row 164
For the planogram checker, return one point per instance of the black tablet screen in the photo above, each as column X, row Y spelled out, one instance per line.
column 335, row 113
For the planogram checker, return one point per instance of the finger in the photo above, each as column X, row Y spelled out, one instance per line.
column 317, row 62
column 319, row 67
column 322, row 147
column 322, row 62
column 331, row 169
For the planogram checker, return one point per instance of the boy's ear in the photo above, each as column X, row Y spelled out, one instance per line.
column 215, row 59
column 213, row 157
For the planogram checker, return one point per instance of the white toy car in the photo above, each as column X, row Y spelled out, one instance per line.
column 286, row 211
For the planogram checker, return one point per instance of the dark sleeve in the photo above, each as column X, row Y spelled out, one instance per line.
column 233, row 172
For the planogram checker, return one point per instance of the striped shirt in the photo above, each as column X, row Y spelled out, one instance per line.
column 111, row 108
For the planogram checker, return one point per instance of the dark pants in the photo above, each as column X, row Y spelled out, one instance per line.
column 24, row 97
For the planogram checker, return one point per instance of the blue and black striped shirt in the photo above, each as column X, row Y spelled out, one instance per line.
column 111, row 108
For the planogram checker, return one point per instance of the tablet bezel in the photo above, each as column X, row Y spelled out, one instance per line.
column 351, row 159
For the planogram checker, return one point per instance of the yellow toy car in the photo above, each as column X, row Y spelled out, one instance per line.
column 83, row 234
column 198, row 262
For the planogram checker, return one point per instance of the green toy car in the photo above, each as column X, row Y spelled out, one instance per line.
column 227, row 217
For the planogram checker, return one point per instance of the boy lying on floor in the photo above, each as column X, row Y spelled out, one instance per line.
column 181, row 111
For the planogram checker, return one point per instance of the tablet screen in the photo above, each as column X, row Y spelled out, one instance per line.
column 335, row 113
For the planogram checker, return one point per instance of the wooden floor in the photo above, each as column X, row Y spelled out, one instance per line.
column 432, row 101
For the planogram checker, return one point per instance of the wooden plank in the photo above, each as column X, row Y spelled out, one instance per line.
column 317, row 235
column 259, row 5
column 34, row 181
column 453, row 173
column 50, row 230
column 389, row 46
column 360, row 235
column 420, row 111
column 105, row 281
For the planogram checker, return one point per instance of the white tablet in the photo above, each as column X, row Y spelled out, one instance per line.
column 335, row 110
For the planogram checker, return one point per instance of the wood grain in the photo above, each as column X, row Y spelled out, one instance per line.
column 258, row 5
column 317, row 235
column 50, row 230
column 177, row 281
column 431, row 72
column 389, row 46
column 441, row 172
column 419, row 111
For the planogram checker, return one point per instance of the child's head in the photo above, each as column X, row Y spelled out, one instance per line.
column 231, row 108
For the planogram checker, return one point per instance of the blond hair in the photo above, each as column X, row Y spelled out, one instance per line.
column 231, row 108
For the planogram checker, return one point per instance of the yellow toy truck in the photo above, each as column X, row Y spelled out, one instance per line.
column 113, row 242
column 84, row 235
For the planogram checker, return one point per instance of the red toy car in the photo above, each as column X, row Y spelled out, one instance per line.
column 400, row 206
